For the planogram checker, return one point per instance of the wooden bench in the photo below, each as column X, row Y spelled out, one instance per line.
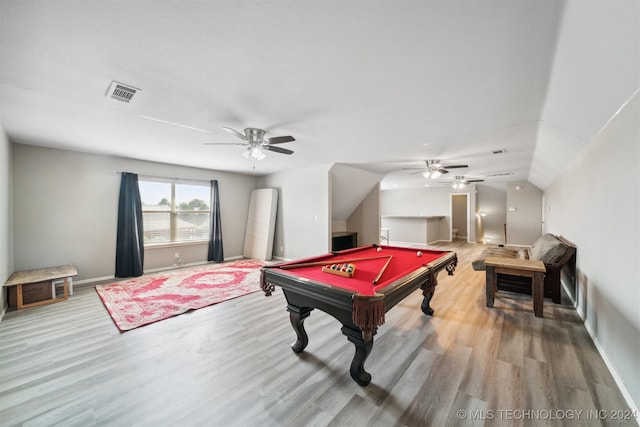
column 32, row 288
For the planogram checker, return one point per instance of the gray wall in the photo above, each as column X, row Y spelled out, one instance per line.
column 65, row 206
column 365, row 219
column 459, row 213
column 348, row 187
column 303, row 220
column 524, row 224
column 595, row 203
column 6, row 215
column 493, row 202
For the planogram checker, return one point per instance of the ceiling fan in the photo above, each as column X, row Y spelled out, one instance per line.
column 435, row 169
column 460, row 182
column 256, row 143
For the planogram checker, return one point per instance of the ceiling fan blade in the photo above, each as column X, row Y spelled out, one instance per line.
column 279, row 139
column 277, row 149
column 235, row 132
column 455, row 166
column 224, row 143
column 475, row 180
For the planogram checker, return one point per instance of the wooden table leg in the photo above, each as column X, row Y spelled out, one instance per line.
column 65, row 288
column 538, row 293
column 19, row 302
column 491, row 285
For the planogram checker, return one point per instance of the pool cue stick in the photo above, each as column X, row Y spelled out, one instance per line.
column 335, row 261
column 384, row 267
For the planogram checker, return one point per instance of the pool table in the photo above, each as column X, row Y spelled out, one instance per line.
column 382, row 277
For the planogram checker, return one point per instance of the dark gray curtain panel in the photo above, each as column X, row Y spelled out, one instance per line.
column 216, row 252
column 130, row 240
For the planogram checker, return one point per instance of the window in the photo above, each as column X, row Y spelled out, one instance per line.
column 173, row 212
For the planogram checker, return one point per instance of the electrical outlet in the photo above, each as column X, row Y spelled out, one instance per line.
column 178, row 261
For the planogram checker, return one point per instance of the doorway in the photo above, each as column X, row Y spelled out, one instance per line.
column 460, row 217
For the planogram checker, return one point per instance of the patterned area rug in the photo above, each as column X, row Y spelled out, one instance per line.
column 150, row 298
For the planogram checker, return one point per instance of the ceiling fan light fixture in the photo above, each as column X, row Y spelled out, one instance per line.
column 256, row 143
column 254, row 152
column 459, row 183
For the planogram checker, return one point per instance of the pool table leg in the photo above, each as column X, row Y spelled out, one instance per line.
column 297, row 315
column 426, row 302
column 363, row 349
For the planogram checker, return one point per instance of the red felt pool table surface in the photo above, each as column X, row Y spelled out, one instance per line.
column 403, row 261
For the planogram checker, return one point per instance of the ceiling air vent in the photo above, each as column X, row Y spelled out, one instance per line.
column 121, row 92
column 499, row 174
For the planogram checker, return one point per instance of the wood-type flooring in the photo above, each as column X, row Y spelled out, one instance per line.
column 230, row 365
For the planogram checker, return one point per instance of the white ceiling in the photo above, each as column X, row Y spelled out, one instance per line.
column 379, row 85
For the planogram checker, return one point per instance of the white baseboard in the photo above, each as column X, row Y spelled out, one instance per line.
column 612, row 370
column 93, row 280
column 439, row 241
column 407, row 244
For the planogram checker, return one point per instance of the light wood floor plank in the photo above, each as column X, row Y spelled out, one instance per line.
column 231, row 364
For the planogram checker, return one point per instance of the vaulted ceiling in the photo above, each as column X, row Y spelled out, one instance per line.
column 378, row 85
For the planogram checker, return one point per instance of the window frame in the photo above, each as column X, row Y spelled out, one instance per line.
column 174, row 211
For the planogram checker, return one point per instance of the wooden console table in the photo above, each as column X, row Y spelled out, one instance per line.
column 32, row 288
column 516, row 267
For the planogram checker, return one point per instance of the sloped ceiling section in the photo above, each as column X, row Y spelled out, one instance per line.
column 349, row 186
column 596, row 70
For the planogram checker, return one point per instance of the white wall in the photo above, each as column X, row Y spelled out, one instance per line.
column 416, row 202
column 595, row 204
column 303, row 220
column 524, row 224
column 66, row 203
column 6, row 216
column 428, row 202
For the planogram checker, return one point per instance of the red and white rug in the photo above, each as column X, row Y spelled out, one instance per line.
column 150, row 298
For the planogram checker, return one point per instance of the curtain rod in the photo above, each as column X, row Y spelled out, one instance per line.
column 205, row 181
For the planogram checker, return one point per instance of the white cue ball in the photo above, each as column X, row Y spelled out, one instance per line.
column 419, row 253
column 379, row 249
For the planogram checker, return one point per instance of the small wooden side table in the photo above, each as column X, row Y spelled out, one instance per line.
column 40, row 281
column 516, row 267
